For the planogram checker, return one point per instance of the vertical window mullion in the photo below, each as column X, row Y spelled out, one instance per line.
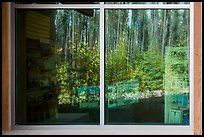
column 102, row 68
column 191, row 66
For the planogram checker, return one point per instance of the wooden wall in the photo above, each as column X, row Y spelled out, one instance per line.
column 197, row 68
column 6, row 106
column 37, row 26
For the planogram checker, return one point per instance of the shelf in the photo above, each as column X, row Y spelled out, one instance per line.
column 36, row 91
column 42, row 103
column 42, row 89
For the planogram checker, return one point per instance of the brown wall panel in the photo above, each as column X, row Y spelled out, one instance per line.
column 5, row 67
column 197, row 68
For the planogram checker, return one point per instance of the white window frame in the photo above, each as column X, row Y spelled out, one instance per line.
column 186, row 129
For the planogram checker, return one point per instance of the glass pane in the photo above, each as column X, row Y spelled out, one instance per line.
column 147, row 2
column 57, row 66
column 147, row 67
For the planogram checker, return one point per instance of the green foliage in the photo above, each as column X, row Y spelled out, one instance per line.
column 64, row 95
column 149, row 70
column 117, row 66
column 81, row 69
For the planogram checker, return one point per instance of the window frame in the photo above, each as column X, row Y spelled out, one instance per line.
column 102, row 7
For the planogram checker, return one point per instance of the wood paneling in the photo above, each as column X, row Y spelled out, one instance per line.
column 37, row 25
column 197, row 68
column 38, row 16
column 5, row 67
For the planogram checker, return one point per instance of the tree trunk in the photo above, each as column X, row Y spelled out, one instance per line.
column 118, row 30
column 164, row 33
column 155, row 28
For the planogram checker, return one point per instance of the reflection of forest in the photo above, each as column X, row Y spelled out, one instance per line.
column 136, row 46
column 146, row 65
column 147, row 46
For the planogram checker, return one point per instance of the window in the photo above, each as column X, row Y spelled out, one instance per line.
column 105, row 65
column 61, row 64
column 147, row 66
